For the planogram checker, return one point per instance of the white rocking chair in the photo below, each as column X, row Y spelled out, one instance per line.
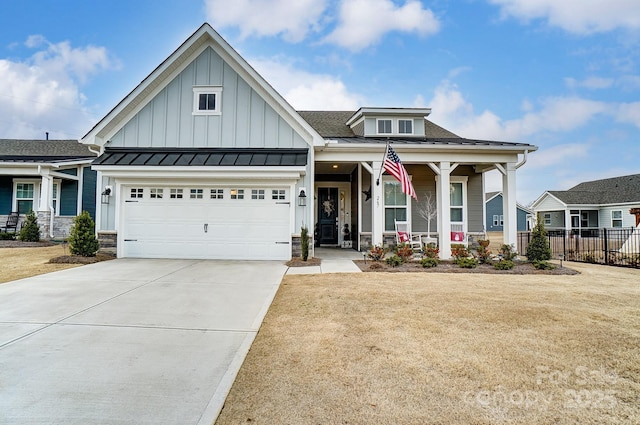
column 403, row 235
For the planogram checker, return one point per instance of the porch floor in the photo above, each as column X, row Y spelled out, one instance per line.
column 334, row 260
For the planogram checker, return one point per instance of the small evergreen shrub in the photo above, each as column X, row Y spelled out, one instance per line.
column 459, row 252
column 543, row 265
column 7, row 236
column 404, row 251
column 431, row 251
column 394, row 261
column 504, row 265
column 429, row 262
column 304, row 243
column 376, row 253
column 538, row 249
column 483, row 254
column 508, row 252
column 30, row 231
column 467, row 263
column 82, row 238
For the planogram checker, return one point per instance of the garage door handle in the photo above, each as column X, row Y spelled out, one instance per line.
column 131, row 240
column 206, row 227
column 282, row 243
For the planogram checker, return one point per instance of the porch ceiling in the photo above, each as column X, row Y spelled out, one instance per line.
column 335, row 167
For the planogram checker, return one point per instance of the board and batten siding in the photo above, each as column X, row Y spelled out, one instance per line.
column 246, row 119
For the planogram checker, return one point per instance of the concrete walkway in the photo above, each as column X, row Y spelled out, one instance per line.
column 129, row 341
column 334, row 260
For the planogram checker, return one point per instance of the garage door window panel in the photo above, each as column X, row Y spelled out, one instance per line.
column 217, row 193
column 257, row 194
column 196, row 193
column 155, row 193
column 175, row 194
column 136, row 193
column 237, row 193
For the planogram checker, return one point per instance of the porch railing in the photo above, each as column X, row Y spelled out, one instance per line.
column 615, row 247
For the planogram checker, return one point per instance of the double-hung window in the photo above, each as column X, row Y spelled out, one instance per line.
column 384, row 126
column 616, row 218
column 457, row 200
column 396, row 204
column 24, row 197
column 405, row 126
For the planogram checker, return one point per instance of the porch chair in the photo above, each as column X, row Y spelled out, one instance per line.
column 12, row 223
column 403, row 235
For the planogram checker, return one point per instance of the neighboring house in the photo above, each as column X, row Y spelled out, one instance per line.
column 495, row 216
column 204, row 159
column 51, row 177
column 600, row 203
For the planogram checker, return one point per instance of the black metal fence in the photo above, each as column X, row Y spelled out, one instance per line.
column 615, row 247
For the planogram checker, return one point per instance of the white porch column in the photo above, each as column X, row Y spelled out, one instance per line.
column 46, row 189
column 377, row 209
column 567, row 220
column 510, row 229
column 444, row 210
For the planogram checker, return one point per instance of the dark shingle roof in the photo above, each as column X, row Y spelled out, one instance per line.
column 614, row 190
column 225, row 157
column 42, row 150
column 332, row 124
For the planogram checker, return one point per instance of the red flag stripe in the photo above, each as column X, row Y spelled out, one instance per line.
column 394, row 167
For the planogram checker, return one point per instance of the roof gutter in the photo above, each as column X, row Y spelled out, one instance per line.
column 524, row 160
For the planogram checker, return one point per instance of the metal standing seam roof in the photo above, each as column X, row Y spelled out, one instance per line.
column 205, row 157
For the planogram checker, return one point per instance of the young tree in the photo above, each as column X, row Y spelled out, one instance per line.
column 427, row 210
column 30, row 231
column 304, row 243
column 82, row 238
column 538, row 249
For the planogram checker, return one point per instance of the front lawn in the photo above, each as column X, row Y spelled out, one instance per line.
column 436, row 348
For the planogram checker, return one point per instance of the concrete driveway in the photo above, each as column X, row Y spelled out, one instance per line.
column 129, row 341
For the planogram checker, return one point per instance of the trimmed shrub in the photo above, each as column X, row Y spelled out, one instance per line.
column 429, row 262
column 504, row 265
column 30, row 231
column 467, row 263
column 538, row 249
column 82, row 238
column 459, row 252
column 394, row 261
column 483, row 254
column 543, row 265
column 376, row 253
column 431, row 251
column 404, row 251
column 508, row 252
column 304, row 243
column 7, row 236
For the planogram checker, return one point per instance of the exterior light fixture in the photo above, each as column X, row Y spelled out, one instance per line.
column 106, row 194
column 335, row 166
column 302, row 197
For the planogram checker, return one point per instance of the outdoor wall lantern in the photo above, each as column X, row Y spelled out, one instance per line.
column 302, row 198
column 106, row 194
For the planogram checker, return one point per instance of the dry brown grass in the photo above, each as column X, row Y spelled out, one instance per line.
column 411, row 348
column 18, row 263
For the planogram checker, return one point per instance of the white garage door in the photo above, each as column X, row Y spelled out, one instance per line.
column 206, row 222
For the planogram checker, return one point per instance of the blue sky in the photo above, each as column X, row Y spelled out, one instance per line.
column 563, row 75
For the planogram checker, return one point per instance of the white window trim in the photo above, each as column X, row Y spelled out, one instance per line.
column 198, row 90
column 36, row 193
column 378, row 127
column 58, row 183
column 463, row 180
column 547, row 218
column 412, row 125
column 387, row 178
column 496, row 220
column 621, row 219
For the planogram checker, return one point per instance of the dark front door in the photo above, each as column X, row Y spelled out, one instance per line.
column 328, row 215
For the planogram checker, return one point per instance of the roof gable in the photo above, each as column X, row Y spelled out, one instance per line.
column 159, row 78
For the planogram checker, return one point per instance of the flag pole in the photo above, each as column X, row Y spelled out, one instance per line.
column 386, row 150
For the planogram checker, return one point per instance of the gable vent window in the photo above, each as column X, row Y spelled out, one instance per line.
column 384, row 126
column 206, row 100
column 405, row 126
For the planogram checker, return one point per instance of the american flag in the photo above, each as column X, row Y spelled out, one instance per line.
column 394, row 167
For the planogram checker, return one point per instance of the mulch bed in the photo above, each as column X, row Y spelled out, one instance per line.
column 298, row 262
column 78, row 259
column 520, row 267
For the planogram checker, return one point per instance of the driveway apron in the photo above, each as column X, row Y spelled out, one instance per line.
column 129, row 341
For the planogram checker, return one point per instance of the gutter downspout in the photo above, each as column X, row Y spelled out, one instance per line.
column 524, row 160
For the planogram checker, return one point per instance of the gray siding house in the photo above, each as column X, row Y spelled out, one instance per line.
column 204, row 159
column 51, row 177
column 605, row 203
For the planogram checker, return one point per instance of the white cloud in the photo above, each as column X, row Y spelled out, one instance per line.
column 593, row 83
column 305, row 90
column 43, row 93
column 575, row 16
column 557, row 114
column 629, row 113
column 291, row 19
column 362, row 23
